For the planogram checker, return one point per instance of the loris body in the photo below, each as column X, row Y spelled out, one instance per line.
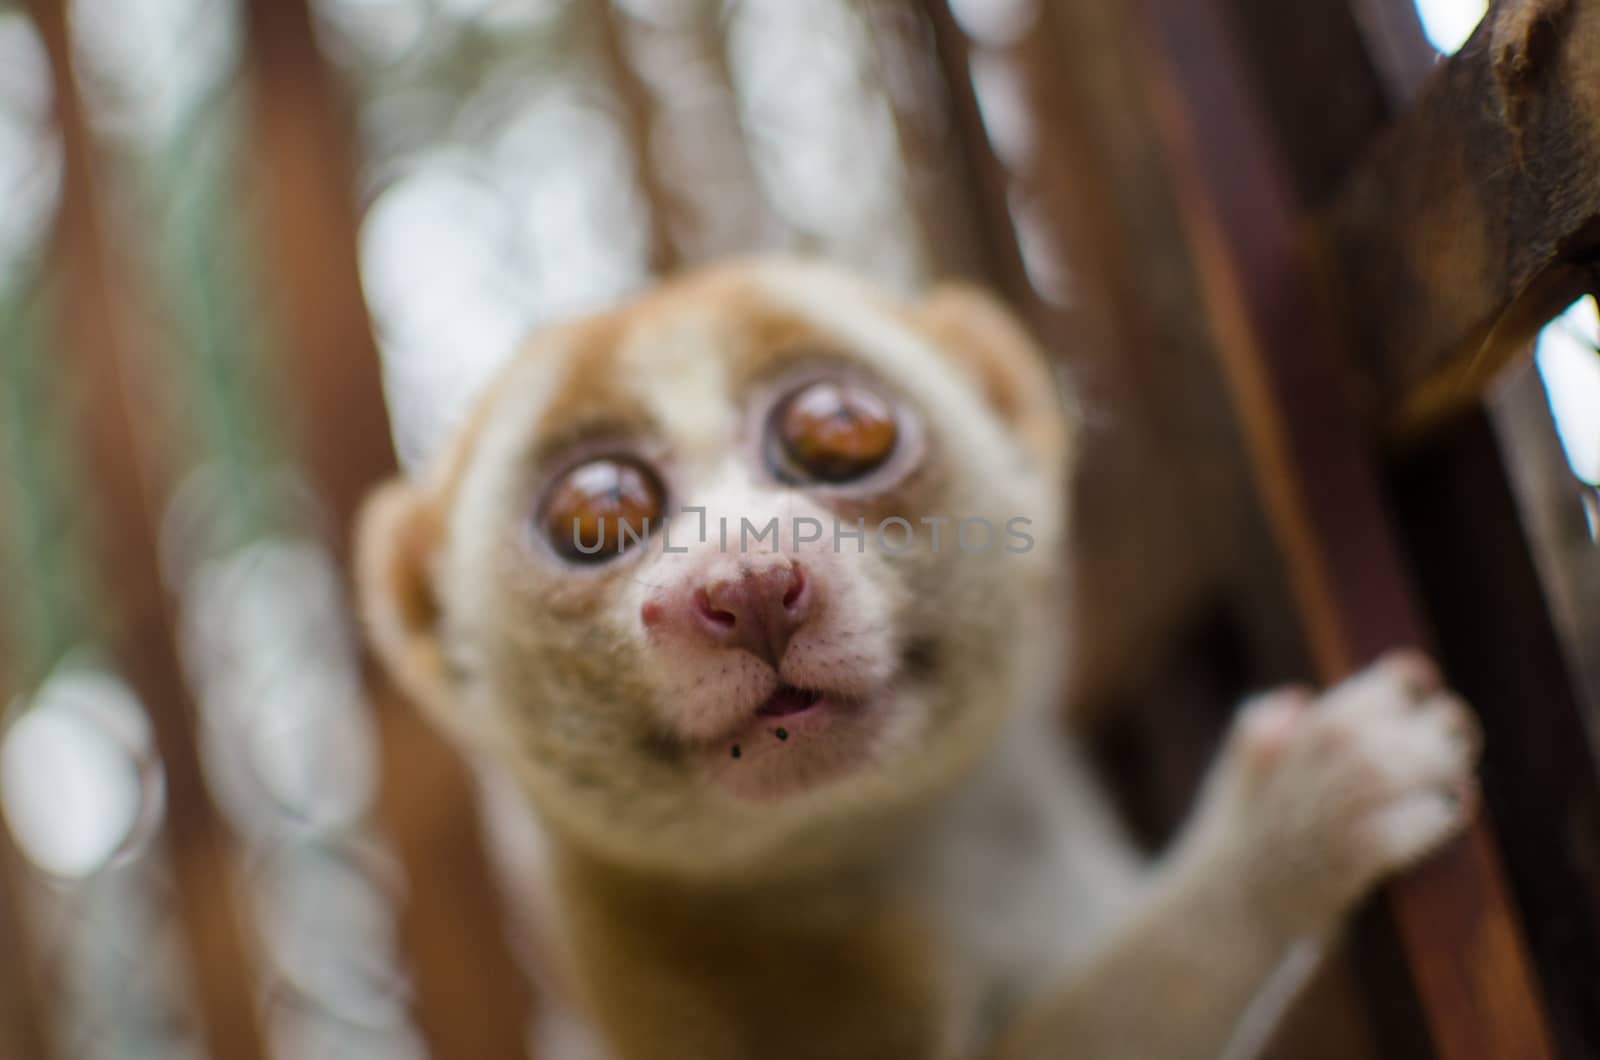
column 803, row 790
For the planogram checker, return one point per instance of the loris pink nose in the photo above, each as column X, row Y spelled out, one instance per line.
column 757, row 609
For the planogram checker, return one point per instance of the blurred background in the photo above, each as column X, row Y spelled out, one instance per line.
column 255, row 254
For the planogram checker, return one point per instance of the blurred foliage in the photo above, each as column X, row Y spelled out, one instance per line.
column 49, row 606
column 174, row 210
column 179, row 226
column 430, row 69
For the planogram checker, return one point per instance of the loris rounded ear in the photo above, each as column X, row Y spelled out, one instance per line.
column 397, row 536
column 992, row 345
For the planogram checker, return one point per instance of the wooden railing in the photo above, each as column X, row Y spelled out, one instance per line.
column 1224, row 216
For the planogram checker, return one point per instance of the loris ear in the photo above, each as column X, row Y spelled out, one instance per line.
column 397, row 536
column 991, row 344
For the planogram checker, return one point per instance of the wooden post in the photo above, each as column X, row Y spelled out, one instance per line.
column 1461, row 935
column 939, row 184
column 127, row 490
column 24, row 1013
column 638, row 123
column 1497, row 639
column 471, row 999
column 1475, row 218
column 1154, row 557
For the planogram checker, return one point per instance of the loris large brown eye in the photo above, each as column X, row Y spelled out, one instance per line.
column 599, row 509
column 832, row 432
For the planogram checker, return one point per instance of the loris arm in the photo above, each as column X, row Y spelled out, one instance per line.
column 1312, row 801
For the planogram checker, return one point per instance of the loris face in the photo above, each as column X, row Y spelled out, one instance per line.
column 721, row 572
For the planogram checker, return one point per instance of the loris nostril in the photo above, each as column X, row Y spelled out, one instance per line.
column 715, row 616
column 756, row 609
column 797, row 587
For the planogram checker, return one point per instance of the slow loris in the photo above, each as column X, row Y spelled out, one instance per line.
column 754, row 586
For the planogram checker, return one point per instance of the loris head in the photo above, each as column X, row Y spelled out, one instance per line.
column 637, row 576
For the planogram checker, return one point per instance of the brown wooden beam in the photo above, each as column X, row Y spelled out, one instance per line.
column 306, row 214
column 637, row 111
column 471, row 997
column 126, row 491
column 1460, row 933
column 1498, row 640
column 1181, row 598
column 1558, row 510
column 24, row 1014
column 1399, row 49
column 1319, row 91
column 1475, row 217
column 687, row 112
column 1147, row 561
column 23, row 1010
column 980, row 172
column 938, row 184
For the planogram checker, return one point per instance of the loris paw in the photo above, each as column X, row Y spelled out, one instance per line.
column 1319, row 797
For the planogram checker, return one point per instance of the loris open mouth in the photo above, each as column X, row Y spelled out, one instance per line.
column 788, row 700
column 797, row 739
